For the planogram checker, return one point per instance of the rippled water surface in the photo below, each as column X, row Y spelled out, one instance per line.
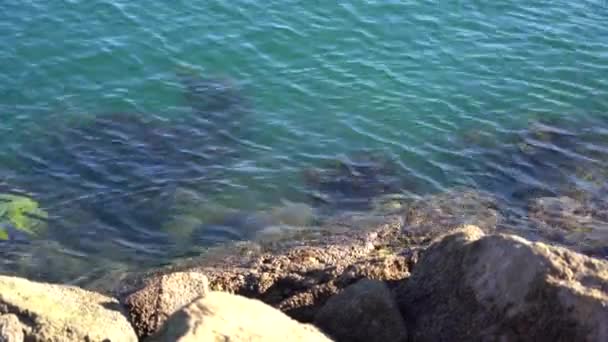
column 132, row 123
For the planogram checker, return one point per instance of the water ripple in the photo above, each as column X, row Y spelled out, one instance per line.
column 450, row 90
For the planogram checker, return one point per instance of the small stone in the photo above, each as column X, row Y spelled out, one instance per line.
column 364, row 311
column 150, row 307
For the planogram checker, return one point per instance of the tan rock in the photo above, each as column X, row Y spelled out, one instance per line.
column 468, row 286
column 150, row 307
column 365, row 311
column 11, row 330
column 63, row 313
column 219, row 316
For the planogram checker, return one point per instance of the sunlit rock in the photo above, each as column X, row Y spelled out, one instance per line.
column 472, row 286
column 50, row 312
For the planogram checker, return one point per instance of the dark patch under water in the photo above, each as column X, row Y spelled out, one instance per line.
column 566, row 156
column 113, row 177
column 552, row 177
column 118, row 179
column 352, row 182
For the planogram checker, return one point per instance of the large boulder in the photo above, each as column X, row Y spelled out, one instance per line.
column 365, row 311
column 220, row 316
column 49, row 312
column 472, row 286
column 150, row 307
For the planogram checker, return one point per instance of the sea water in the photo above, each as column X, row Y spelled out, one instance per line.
column 447, row 91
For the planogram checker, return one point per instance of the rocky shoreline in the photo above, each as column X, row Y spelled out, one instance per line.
column 404, row 275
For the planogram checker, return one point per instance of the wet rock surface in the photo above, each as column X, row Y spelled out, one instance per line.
column 220, row 316
column 472, row 286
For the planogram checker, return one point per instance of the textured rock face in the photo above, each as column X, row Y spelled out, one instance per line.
column 220, row 316
column 150, row 307
column 501, row 287
column 364, row 311
column 11, row 329
column 298, row 281
column 60, row 313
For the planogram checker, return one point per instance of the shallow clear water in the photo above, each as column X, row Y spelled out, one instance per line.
column 446, row 90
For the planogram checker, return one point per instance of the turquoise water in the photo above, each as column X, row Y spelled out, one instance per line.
column 436, row 86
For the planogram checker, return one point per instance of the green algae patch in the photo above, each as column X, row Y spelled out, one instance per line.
column 23, row 213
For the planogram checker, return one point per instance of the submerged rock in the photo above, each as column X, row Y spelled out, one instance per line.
column 49, row 312
column 365, row 311
column 580, row 225
column 437, row 214
column 123, row 167
column 189, row 212
column 472, row 286
column 220, row 316
column 195, row 219
column 45, row 260
column 210, row 94
column 547, row 164
column 351, row 183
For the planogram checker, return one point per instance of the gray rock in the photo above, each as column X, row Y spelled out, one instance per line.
column 11, row 330
column 62, row 313
column 365, row 311
column 220, row 316
column 468, row 286
column 151, row 306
